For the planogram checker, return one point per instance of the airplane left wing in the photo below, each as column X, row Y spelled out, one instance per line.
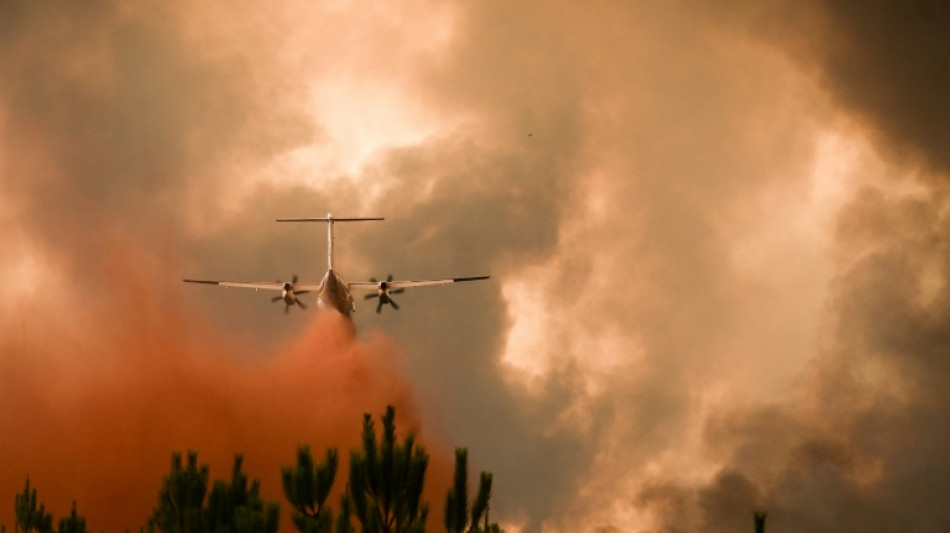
column 394, row 285
column 259, row 285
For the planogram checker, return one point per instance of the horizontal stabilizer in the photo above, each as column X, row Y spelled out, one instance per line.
column 327, row 219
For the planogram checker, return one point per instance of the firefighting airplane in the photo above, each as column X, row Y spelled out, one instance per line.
column 332, row 291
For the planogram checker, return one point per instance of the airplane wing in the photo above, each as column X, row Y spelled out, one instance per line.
column 259, row 285
column 393, row 285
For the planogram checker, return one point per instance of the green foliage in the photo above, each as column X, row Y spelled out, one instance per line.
column 182, row 496
column 456, row 502
column 307, row 487
column 481, row 504
column 237, row 507
column 232, row 507
column 343, row 523
column 386, row 480
column 73, row 523
column 384, row 494
column 458, row 519
column 29, row 517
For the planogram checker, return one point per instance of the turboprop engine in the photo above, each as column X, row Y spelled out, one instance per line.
column 289, row 296
column 384, row 293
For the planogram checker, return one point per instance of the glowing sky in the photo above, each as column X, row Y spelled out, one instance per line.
column 718, row 240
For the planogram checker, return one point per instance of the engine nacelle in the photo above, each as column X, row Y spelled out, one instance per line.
column 288, row 293
column 383, row 292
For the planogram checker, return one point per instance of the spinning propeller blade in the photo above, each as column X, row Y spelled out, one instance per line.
column 384, row 294
column 289, row 296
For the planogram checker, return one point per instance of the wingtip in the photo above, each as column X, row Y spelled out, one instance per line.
column 473, row 278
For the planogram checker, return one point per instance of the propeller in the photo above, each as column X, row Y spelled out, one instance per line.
column 289, row 295
column 384, row 293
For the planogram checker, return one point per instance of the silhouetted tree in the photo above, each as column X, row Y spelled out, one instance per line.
column 456, row 502
column 237, row 507
column 28, row 517
column 343, row 523
column 759, row 518
column 386, row 480
column 307, row 487
column 182, row 496
column 73, row 523
column 459, row 518
column 232, row 507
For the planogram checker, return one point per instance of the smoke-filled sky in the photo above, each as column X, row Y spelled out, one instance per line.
column 719, row 241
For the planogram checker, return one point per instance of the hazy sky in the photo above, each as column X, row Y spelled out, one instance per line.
column 719, row 242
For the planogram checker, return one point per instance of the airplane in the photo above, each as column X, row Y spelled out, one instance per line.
column 333, row 292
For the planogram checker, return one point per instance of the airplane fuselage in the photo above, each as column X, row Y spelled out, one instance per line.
column 334, row 294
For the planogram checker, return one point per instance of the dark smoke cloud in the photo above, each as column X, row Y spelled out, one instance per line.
column 885, row 62
column 860, row 446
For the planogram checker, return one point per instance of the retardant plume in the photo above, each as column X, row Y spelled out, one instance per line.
column 92, row 413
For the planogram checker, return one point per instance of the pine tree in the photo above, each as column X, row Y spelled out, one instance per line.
column 386, row 480
column 181, row 498
column 480, row 506
column 458, row 518
column 231, row 507
column 307, row 487
column 343, row 523
column 29, row 518
column 237, row 507
column 73, row 523
column 456, row 502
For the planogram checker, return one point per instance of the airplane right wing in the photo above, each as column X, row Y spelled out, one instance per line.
column 394, row 285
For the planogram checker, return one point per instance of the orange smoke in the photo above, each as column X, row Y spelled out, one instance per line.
column 95, row 414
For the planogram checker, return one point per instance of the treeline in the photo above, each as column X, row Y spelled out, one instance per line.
column 383, row 494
